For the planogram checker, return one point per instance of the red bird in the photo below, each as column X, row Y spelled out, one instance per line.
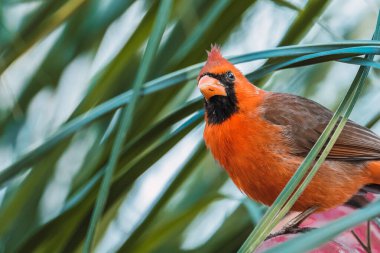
column 260, row 138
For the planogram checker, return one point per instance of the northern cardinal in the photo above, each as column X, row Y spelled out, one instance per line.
column 260, row 138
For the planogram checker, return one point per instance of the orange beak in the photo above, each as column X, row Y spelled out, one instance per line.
column 211, row 87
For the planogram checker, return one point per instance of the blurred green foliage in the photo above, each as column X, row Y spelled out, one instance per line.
column 67, row 67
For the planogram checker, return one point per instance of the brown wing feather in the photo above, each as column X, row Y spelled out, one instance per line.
column 304, row 121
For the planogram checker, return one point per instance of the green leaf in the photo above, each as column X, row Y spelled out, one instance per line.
column 79, row 205
column 208, row 20
column 319, row 57
column 303, row 22
column 173, row 226
column 29, row 36
column 126, row 118
column 164, row 197
column 81, row 35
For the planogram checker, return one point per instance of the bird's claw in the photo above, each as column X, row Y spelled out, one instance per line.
column 290, row 230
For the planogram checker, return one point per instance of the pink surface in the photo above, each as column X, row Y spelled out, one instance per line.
column 343, row 243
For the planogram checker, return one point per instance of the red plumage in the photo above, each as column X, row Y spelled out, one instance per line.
column 260, row 138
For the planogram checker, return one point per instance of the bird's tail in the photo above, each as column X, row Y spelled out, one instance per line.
column 360, row 199
column 374, row 170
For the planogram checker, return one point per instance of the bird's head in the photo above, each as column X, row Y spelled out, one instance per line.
column 222, row 86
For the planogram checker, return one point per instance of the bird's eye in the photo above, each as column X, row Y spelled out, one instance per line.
column 230, row 76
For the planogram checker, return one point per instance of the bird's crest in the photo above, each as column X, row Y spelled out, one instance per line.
column 214, row 54
column 215, row 62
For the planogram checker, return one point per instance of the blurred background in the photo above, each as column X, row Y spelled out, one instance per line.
column 61, row 59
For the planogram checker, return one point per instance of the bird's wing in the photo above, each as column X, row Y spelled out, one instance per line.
column 303, row 122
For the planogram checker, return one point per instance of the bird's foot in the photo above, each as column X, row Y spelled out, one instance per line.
column 290, row 230
column 293, row 226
